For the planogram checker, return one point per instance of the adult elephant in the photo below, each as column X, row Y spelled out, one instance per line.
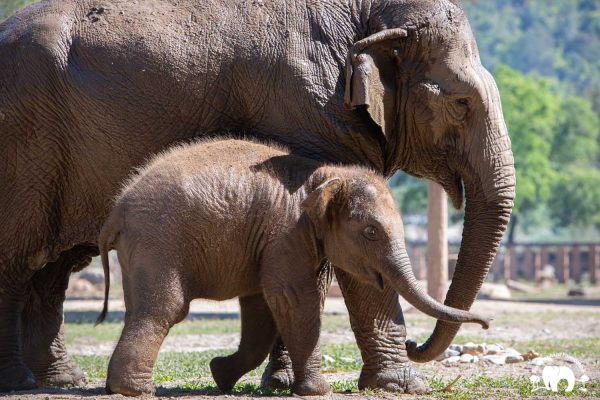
column 89, row 89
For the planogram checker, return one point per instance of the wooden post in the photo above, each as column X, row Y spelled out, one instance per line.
column 594, row 262
column 514, row 263
column 544, row 253
column 537, row 272
column 562, row 264
column 576, row 254
column 528, row 263
column 497, row 266
column 419, row 262
column 507, row 263
column 437, row 242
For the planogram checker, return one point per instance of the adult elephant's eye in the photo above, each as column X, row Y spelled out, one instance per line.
column 370, row 232
column 458, row 109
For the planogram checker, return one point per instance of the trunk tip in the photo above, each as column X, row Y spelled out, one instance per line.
column 414, row 353
column 485, row 322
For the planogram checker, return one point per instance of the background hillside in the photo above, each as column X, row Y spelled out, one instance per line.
column 545, row 56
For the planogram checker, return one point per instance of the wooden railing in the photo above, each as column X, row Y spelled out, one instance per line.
column 574, row 261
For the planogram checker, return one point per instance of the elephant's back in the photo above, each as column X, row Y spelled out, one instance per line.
column 34, row 47
column 221, row 177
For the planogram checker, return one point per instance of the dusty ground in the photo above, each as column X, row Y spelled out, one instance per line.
column 564, row 327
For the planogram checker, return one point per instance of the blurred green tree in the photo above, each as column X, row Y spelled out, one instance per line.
column 575, row 199
column 7, row 7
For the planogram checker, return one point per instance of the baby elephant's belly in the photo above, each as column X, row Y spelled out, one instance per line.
column 226, row 282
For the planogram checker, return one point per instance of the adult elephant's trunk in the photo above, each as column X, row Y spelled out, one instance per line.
column 400, row 274
column 489, row 181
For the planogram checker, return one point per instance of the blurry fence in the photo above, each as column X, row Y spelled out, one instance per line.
column 575, row 261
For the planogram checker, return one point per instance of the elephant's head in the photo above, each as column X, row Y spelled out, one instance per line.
column 419, row 77
column 357, row 222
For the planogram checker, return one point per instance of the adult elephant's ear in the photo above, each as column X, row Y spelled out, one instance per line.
column 371, row 76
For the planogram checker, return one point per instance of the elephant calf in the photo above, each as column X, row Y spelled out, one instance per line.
column 220, row 219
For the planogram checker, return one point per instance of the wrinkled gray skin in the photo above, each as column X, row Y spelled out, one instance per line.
column 256, row 223
column 89, row 89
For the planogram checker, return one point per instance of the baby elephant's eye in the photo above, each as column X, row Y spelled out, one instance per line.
column 370, row 232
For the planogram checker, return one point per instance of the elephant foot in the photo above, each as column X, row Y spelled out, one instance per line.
column 67, row 375
column 129, row 386
column 399, row 378
column 278, row 375
column 16, row 377
column 312, row 387
column 224, row 373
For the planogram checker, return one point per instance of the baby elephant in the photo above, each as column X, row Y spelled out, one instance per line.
column 228, row 218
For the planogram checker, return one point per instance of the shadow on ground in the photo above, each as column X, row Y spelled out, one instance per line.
column 564, row 302
column 118, row 316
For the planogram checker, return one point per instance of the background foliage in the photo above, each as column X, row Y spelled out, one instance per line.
column 7, row 7
column 545, row 56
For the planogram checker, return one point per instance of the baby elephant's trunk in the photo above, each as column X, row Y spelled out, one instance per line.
column 403, row 280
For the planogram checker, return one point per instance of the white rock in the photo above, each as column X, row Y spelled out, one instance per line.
column 497, row 291
column 466, row 358
column 475, row 359
column 539, row 361
column 327, row 358
column 495, row 359
column 493, row 349
column 456, row 347
column 512, row 352
column 511, row 359
column 447, row 354
column 451, row 360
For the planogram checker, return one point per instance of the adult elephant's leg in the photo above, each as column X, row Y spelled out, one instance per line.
column 44, row 348
column 378, row 324
column 14, row 374
column 279, row 374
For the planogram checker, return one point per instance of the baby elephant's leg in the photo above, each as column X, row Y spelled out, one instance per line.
column 258, row 335
column 297, row 312
column 154, row 302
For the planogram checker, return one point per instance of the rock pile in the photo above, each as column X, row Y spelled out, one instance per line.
column 495, row 354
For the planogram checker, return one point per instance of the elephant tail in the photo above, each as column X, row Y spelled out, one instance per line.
column 106, row 240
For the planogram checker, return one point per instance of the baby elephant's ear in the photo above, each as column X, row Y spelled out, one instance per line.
column 315, row 205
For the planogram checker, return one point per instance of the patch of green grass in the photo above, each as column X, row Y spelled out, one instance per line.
column 506, row 387
column 584, row 348
column 335, row 323
column 345, row 386
column 169, row 366
column 110, row 331
column 515, row 318
column 76, row 333
column 95, row 367
column 194, row 365
column 191, row 369
column 341, row 357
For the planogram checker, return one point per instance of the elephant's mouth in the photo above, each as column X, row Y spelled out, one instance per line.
column 375, row 278
column 455, row 192
column 452, row 182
